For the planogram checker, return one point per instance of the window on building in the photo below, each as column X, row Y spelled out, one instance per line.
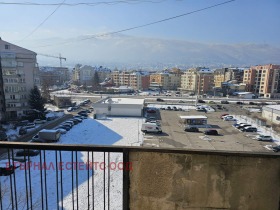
column 7, row 47
column 12, row 97
column 20, row 64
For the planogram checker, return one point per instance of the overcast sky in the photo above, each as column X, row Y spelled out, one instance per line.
column 240, row 21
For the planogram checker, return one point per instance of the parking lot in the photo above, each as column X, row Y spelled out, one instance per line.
column 230, row 138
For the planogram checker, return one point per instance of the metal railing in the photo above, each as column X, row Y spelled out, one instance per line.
column 63, row 176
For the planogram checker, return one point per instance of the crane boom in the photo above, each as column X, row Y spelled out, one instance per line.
column 53, row 56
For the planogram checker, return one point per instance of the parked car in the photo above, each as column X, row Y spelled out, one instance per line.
column 22, row 131
column 243, row 126
column 30, row 125
column 150, row 119
column 3, row 136
column 35, row 137
column 168, row 108
column 151, row 111
column 39, row 121
column 70, row 122
column 223, row 115
column 77, row 119
column 192, row 129
column 201, row 101
column 228, row 118
column 211, row 132
column 67, row 124
column 175, row 108
column 211, row 102
column 181, row 101
column 224, row 102
column 180, row 109
column 61, row 130
column 264, row 138
column 65, row 127
column 252, row 103
column 22, row 123
column 239, row 102
column 160, row 100
column 249, row 129
column 27, row 152
column 276, row 148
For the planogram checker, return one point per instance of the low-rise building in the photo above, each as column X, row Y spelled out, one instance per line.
column 119, row 107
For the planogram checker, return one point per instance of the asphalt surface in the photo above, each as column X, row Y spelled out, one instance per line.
column 230, row 138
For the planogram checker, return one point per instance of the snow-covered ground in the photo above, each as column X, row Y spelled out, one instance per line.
column 112, row 131
column 261, row 129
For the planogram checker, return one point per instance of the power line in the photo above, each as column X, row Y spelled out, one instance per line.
column 144, row 25
column 81, row 3
column 43, row 21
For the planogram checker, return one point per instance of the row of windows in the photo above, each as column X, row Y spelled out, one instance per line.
column 14, row 89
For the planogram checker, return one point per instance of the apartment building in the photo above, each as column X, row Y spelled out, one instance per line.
column 54, row 75
column 165, row 80
column 20, row 73
column 135, row 79
column 84, row 74
column 197, row 80
column 228, row 74
column 263, row 80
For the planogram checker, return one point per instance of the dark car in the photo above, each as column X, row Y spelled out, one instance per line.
column 249, row 129
column 192, row 129
column 168, row 108
column 201, row 101
column 22, row 131
column 83, row 114
column 175, row 108
column 224, row 102
column 276, row 148
column 27, row 152
column 3, row 136
column 211, row 132
column 239, row 102
column 151, row 111
column 159, row 99
column 252, row 103
column 66, row 127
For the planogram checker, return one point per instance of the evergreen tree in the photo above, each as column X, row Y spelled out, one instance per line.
column 36, row 101
column 95, row 81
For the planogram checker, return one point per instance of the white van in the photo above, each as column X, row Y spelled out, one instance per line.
column 151, row 128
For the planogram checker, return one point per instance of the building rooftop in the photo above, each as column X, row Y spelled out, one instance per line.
column 275, row 107
column 125, row 101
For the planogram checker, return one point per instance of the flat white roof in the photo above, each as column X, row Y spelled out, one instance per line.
column 193, row 117
column 125, row 101
column 276, row 107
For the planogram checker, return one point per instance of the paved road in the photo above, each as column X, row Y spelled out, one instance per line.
column 231, row 139
column 49, row 125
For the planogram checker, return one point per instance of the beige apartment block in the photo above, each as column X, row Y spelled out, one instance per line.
column 20, row 73
column 263, row 80
column 127, row 78
column 197, row 80
column 165, row 80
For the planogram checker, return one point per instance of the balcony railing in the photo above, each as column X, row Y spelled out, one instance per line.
column 63, row 177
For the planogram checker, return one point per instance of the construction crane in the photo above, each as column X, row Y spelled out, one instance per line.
column 53, row 56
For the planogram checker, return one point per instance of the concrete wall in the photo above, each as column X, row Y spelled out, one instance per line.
column 204, row 181
column 119, row 109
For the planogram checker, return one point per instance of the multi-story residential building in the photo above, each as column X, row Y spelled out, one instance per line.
column 84, row 74
column 263, row 80
column 169, row 80
column 227, row 74
column 135, row 79
column 19, row 70
column 197, row 80
column 54, row 75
